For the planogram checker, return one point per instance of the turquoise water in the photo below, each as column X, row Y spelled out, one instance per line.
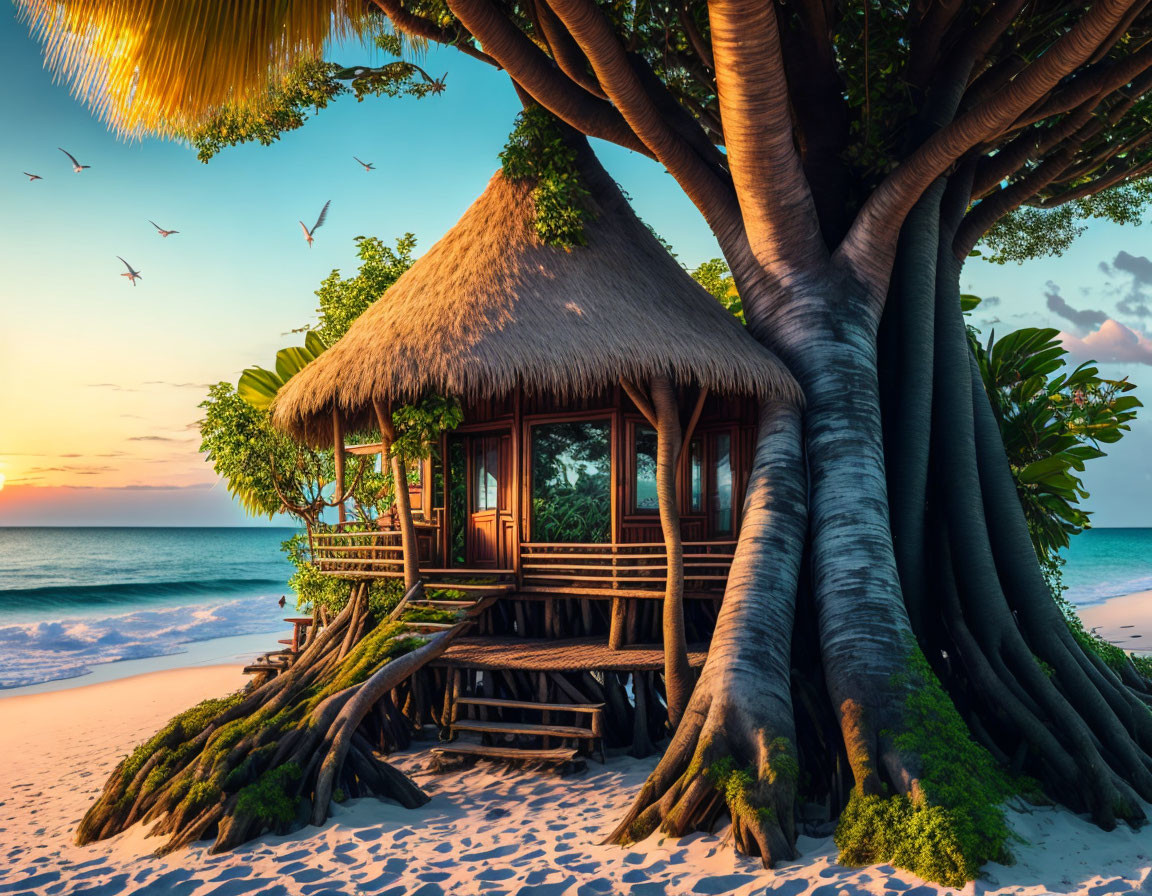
column 1104, row 563
column 74, row 598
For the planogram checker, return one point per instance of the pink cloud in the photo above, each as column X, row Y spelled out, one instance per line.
column 1112, row 343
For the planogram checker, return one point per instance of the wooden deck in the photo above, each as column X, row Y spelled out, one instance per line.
column 547, row 655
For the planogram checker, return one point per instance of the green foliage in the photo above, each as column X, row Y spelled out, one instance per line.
column 537, row 150
column 1052, row 422
column 242, row 447
column 269, row 798
column 344, row 299
column 420, row 425
column 179, row 729
column 715, row 277
column 1032, row 232
column 258, row 386
column 955, row 823
column 309, row 87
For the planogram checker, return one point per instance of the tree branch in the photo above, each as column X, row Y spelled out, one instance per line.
column 871, row 243
column 659, row 130
column 775, row 199
column 531, row 68
column 417, row 26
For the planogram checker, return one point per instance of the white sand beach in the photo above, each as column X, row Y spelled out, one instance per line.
column 1125, row 621
column 486, row 831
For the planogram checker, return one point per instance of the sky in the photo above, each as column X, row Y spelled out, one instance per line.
column 101, row 379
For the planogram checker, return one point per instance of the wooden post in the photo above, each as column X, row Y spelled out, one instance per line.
column 518, row 480
column 410, row 549
column 677, row 671
column 338, row 451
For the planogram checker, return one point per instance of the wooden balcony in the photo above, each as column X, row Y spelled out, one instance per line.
column 632, row 570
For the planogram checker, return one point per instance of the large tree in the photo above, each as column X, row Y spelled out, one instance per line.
column 847, row 156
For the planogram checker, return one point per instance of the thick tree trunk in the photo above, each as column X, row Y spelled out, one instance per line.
column 734, row 750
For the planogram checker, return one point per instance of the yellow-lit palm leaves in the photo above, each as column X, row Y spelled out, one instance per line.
column 163, row 66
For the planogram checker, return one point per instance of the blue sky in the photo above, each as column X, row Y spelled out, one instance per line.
column 102, row 379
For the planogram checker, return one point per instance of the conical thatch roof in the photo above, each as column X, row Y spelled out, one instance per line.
column 490, row 307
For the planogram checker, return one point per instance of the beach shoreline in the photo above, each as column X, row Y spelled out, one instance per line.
column 1125, row 621
column 489, row 829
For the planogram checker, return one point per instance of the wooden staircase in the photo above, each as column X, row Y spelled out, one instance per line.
column 511, row 739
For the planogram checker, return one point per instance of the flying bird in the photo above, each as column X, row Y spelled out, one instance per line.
column 368, row 166
column 31, row 177
column 132, row 275
column 319, row 221
column 76, row 166
column 283, row 600
column 160, row 230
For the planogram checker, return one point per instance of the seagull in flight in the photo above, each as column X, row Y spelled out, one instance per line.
column 76, row 166
column 160, row 230
column 31, row 177
column 319, row 221
column 132, row 275
column 368, row 166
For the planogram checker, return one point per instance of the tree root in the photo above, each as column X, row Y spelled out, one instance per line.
column 274, row 758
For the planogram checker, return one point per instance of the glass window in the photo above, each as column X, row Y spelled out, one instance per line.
column 572, row 482
column 645, row 498
column 721, row 497
column 485, row 462
column 695, row 476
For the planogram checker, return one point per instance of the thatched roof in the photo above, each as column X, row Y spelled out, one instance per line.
column 490, row 307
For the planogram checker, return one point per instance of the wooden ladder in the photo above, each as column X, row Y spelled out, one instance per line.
column 546, row 730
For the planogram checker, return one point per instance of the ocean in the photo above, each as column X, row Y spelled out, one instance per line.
column 76, row 598
column 74, row 601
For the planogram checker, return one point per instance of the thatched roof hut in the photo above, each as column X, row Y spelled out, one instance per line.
column 490, row 307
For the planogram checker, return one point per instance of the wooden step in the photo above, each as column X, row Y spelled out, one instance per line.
column 264, row 667
column 522, row 728
column 430, row 626
column 558, row 754
column 442, row 604
column 524, row 704
column 490, row 588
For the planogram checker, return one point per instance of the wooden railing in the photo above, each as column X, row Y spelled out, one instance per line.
column 358, row 554
column 624, row 566
column 609, row 567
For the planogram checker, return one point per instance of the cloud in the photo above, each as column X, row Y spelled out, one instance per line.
column 1111, row 343
column 1083, row 319
column 152, row 439
column 1136, row 300
column 990, row 301
column 116, row 387
column 178, row 385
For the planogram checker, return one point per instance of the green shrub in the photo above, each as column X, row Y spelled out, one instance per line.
column 956, row 822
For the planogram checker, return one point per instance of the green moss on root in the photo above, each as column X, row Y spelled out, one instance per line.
column 430, row 614
column 271, row 797
column 956, row 822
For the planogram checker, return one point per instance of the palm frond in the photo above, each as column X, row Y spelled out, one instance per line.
column 163, row 66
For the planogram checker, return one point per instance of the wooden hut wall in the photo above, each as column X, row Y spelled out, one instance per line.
column 733, row 419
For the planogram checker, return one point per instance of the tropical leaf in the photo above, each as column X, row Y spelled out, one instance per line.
column 258, row 386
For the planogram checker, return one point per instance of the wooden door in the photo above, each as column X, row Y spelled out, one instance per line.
column 487, row 493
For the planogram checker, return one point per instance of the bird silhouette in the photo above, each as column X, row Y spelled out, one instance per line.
column 132, row 275
column 31, row 177
column 160, row 230
column 319, row 221
column 76, row 166
column 283, row 600
column 368, row 166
